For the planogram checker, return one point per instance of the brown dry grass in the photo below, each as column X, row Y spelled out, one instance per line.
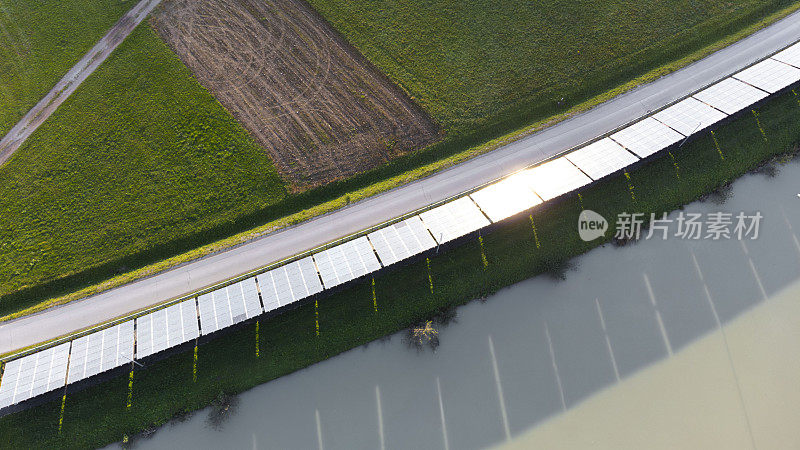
column 319, row 108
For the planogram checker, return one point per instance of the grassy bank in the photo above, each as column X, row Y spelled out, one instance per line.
column 24, row 288
column 40, row 41
column 98, row 415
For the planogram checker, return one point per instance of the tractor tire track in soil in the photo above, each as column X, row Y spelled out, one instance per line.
column 320, row 109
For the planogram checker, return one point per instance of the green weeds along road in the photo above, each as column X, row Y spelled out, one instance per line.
column 141, row 164
column 514, row 251
column 40, row 41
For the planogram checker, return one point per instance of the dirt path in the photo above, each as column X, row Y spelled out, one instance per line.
column 76, row 75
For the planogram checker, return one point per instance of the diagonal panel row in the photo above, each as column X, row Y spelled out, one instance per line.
column 790, row 56
column 689, row 116
column 647, row 137
column 229, row 305
column 454, row 219
column 35, row 374
column 602, row 158
column 290, row 283
column 506, row 198
column 166, row 328
column 770, row 75
column 347, row 261
column 401, row 240
column 101, row 351
column 555, row 178
column 730, row 95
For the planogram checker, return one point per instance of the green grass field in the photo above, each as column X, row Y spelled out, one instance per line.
column 98, row 415
column 40, row 41
column 117, row 171
column 475, row 63
column 141, row 164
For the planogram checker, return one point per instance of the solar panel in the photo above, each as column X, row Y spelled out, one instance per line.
column 8, row 383
column 770, row 75
column 346, row 262
column 17, row 372
column 290, row 283
column 555, row 178
column 147, row 327
column 646, row 137
column 730, row 95
column 215, row 311
column 689, row 116
column 454, row 219
column 101, row 351
column 308, row 273
column 401, row 240
column 35, row 374
column 241, row 307
column 166, row 328
column 250, row 296
column 269, row 289
column 790, row 56
column 505, row 198
column 53, row 375
column 601, row 158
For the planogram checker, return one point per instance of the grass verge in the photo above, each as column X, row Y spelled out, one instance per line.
column 40, row 41
column 68, row 285
column 98, row 415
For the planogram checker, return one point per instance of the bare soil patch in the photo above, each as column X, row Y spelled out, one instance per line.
column 321, row 110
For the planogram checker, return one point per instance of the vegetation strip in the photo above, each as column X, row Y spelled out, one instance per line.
column 38, row 275
column 98, row 415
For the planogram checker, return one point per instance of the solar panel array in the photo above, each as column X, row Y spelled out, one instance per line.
column 770, row 75
column 730, row 95
column 506, row 198
column 401, row 240
column 166, row 328
column 49, row 369
column 34, row 374
column 689, row 116
column 555, row 178
column 289, row 283
column 229, row 305
column 602, row 158
column 647, row 137
column 790, row 56
column 346, row 262
column 454, row 219
column 101, row 351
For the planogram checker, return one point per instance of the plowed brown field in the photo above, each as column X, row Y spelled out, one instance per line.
column 321, row 110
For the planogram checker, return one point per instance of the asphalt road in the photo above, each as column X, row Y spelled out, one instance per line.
column 260, row 252
column 76, row 75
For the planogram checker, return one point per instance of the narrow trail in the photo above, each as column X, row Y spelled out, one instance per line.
column 76, row 75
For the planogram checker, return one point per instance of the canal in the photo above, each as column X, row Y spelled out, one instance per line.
column 635, row 345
